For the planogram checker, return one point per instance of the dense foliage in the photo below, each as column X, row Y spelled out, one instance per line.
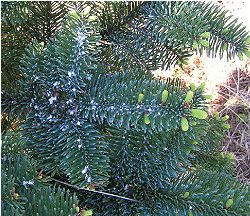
column 86, row 127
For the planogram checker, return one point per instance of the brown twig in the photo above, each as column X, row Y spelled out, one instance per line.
column 85, row 189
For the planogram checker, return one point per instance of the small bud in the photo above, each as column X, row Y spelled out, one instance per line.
column 247, row 53
column 226, row 126
column 210, row 97
column 198, row 113
column 202, row 85
column 192, row 87
column 205, row 35
column 40, row 177
column 140, row 98
column 92, row 18
column 77, row 209
column 229, row 203
column 247, row 41
column 15, row 196
column 225, row 30
column 186, row 194
column 189, row 97
column 204, row 42
column 184, row 124
column 86, row 10
column 222, row 155
column 164, row 96
column 87, row 213
column 146, row 118
column 226, row 117
column 229, row 156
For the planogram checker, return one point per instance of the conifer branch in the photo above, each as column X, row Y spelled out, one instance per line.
column 153, row 38
column 132, row 53
column 91, row 111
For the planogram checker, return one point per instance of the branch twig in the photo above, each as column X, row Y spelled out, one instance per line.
column 85, row 189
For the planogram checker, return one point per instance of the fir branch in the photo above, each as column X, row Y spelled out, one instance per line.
column 157, row 42
column 94, row 114
column 132, row 53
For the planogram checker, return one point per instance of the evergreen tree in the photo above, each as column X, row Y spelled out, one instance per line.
column 95, row 132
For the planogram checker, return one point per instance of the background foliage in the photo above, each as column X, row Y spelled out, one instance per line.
column 89, row 116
